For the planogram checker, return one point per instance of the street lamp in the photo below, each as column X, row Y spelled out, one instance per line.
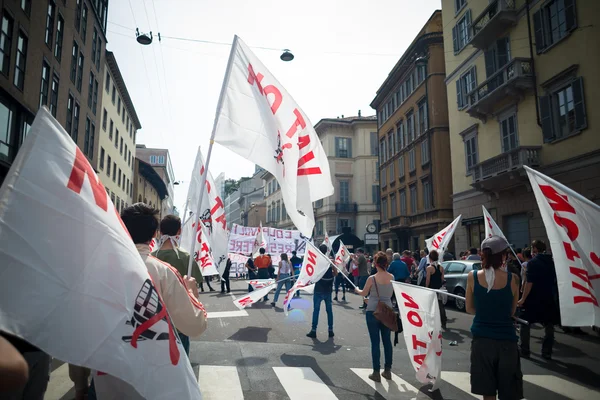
column 143, row 38
column 286, row 55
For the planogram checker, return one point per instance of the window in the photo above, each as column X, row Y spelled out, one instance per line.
column 20, row 61
column 123, row 115
column 69, row 122
column 344, row 192
column 104, row 119
column 79, row 71
column 471, row 151
column 343, row 147
column 6, row 133
column 464, row 85
column 373, row 138
column 563, row 111
column 94, row 44
column 403, row 202
column 401, row 167
column 125, row 155
column 74, row 51
column 75, row 134
column 5, row 43
column 461, row 33
column 54, row 95
column 454, row 268
column 410, row 85
column 86, row 138
column 508, row 131
column 119, row 177
column 425, row 152
column 108, row 164
column 393, row 211
column 107, row 83
column 114, row 94
column 375, row 194
column 60, row 30
column 114, row 172
column 92, row 139
column 411, row 161
column 383, row 177
column 410, row 127
column 110, row 130
column 400, row 135
column 84, row 15
column 50, row 23
column 382, row 153
column 320, row 227
column 129, row 158
column 119, row 105
column 121, row 146
column 421, row 73
column 78, row 14
column 101, row 158
column 117, row 140
column 384, row 209
column 392, row 173
column 45, row 84
column 390, row 146
column 95, row 101
column 554, row 21
column 427, row 194
column 413, row 199
column 459, row 4
column 423, row 116
column 26, row 7
column 91, row 90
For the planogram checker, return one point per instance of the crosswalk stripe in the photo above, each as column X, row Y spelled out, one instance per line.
column 61, row 383
column 303, row 383
column 397, row 388
column 460, row 380
column 227, row 314
column 230, row 387
column 562, row 387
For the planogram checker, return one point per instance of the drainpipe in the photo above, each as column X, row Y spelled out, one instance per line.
column 535, row 89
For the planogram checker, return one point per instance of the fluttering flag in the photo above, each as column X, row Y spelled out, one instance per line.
column 572, row 223
column 314, row 266
column 491, row 227
column 73, row 283
column 260, row 283
column 259, row 242
column 259, row 120
column 342, row 257
column 440, row 241
column 253, row 297
column 210, row 226
column 420, row 315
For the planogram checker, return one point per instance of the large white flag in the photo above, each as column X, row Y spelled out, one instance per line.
column 259, row 242
column 212, row 218
column 420, row 315
column 314, row 266
column 573, row 225
column 342, row 257
column 259, row 120
column 254, row 296
column 73, row 283
column 440, row 241
column 491, row 227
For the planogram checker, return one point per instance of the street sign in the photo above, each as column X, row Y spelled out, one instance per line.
column 371, row 238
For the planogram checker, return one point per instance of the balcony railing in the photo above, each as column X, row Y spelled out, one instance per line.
column 385, row 226
column 494, row 20
column 399, row 221
column 346, row 207
column 506, row 162
column 508, row 81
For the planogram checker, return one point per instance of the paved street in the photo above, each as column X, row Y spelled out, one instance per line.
column 261, row 354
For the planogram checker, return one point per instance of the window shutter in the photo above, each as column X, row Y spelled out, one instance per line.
column 337, row 147
column 538, row 28
column 455, row 38
column 468, row 27
column 490, row 64
column 546, row 117
column 459, row 99
column 579, row 104
column 349, row 143
column 374, row 147
column 570, row 15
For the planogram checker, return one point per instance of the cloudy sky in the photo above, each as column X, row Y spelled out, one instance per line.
column 344, row 50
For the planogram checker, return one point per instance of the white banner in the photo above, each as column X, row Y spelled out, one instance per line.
column 314, row 266
column 253, row 297
column 213, row 251
column 73, row 283
column 261, row 283
column 258, row 119
column 491, row 227
column 572, row 224
column 420, row 315
column 342, row 257
column 440, row 241
column 277, row 241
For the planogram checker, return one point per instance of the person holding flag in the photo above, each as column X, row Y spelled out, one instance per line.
column 262, row 264
column 284, row 273
column 323, row 290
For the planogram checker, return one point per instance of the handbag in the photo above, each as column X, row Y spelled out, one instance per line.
column 384, row 313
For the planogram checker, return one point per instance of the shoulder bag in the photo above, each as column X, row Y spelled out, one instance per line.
column 384, row 313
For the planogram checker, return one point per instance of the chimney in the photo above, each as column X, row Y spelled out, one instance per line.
column 359, row 113
column 342, row 115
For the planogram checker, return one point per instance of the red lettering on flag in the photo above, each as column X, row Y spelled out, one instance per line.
column 557, row 201
column 570, row 226
column 410, row 302
column 414, row 319
column 81, row 169
column 570, row 252
column 270, row 89
column 299, row 122
column 310, row 170
column 419, row 358
column 253, row 78
column 417, row 343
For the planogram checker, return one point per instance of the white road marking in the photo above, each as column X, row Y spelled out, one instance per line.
column 396, row 388
column 562, row 386
column 210, row 375
column 227, row 314
column 460, row 380
column 61, row 383
column 303, row 384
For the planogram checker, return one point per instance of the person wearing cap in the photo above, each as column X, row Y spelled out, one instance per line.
column 492, row 295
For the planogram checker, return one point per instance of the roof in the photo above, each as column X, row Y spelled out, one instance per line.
column 111, row 61
column 149, row 174
column 346, row 121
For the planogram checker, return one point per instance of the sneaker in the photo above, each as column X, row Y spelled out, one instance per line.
column 212, row 290
column 312, row 334
column 375, row 377
column 331, row 334
column 363, row 306
column 335, row 298
column 525, row 353
column 387, row 374
column 547, row 356
column 272, row 304
column 344, row 298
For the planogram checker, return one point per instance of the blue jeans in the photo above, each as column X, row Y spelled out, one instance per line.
column 361, row 282
column 317, row 299
column 288, row 286
column 375, row 329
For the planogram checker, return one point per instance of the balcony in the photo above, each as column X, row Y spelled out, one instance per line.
column 399, row 222
column 346, row 207
column 502, row 170
column 508, row 82
column 497, row 16
column 385, row 226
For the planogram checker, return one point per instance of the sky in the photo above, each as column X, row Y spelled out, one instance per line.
column 344, row 50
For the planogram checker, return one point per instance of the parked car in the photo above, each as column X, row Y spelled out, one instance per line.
column 455, row 274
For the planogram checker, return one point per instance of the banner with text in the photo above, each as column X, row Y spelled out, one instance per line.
column 277, row 241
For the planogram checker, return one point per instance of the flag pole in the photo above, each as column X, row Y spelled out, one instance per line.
column 210, row 147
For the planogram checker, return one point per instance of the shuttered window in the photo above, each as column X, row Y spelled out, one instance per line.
column 563, row 111
column 554, row 21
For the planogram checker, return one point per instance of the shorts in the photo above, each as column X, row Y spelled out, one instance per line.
column 496, row 368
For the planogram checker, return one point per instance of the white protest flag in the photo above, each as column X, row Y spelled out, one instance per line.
column 260, row 283
column 572, row 224
column 253, row 297
column 342, row 257
column 420, row 315
column 73, row 283
column 440, row 241
column 202, row 255
column 258, row 119
column 259, row 241
column 491, row 227
column 314, row 266
column 212, row 217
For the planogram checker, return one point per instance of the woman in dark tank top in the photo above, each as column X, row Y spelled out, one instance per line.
column 492, row 295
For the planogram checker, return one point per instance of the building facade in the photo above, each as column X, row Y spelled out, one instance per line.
column 276, row 214
column 251, row 200
column 149, row 187
column 53, row 56
column 232, row 209
column 160, row 160
column 521, row 80
column 117, row 136
column 350, row 144
column 413, row 139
